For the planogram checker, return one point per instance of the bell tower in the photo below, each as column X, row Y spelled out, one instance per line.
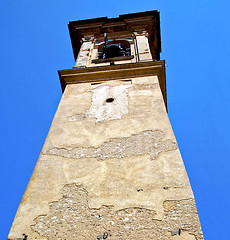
column 110, row 167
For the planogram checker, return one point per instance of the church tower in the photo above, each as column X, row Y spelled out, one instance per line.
column 110, row 167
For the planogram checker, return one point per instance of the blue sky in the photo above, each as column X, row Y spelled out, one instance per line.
column 195, row 44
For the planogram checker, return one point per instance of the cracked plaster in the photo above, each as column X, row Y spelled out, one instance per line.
column 70, row 217
column 104, row 111
column 146, row 142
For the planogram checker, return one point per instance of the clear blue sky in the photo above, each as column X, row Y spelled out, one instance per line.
column 195, row 44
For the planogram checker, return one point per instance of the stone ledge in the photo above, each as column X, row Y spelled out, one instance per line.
column 115, row 72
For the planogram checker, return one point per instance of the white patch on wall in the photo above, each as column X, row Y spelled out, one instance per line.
column 109, row 102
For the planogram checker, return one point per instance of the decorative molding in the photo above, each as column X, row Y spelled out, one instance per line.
column 119, row 71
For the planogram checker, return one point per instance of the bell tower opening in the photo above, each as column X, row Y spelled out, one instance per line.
column 114, row 48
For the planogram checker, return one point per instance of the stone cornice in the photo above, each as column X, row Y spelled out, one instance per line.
column 119, row 71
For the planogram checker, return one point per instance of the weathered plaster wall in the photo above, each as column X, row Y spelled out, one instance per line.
column 109, row 169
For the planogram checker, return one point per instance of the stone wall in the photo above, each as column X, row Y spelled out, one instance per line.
column 110, row 169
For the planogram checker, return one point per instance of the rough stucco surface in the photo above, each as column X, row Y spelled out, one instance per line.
column 147, row 142
column 102, row 110
column 109, row 168
column 70, row 217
